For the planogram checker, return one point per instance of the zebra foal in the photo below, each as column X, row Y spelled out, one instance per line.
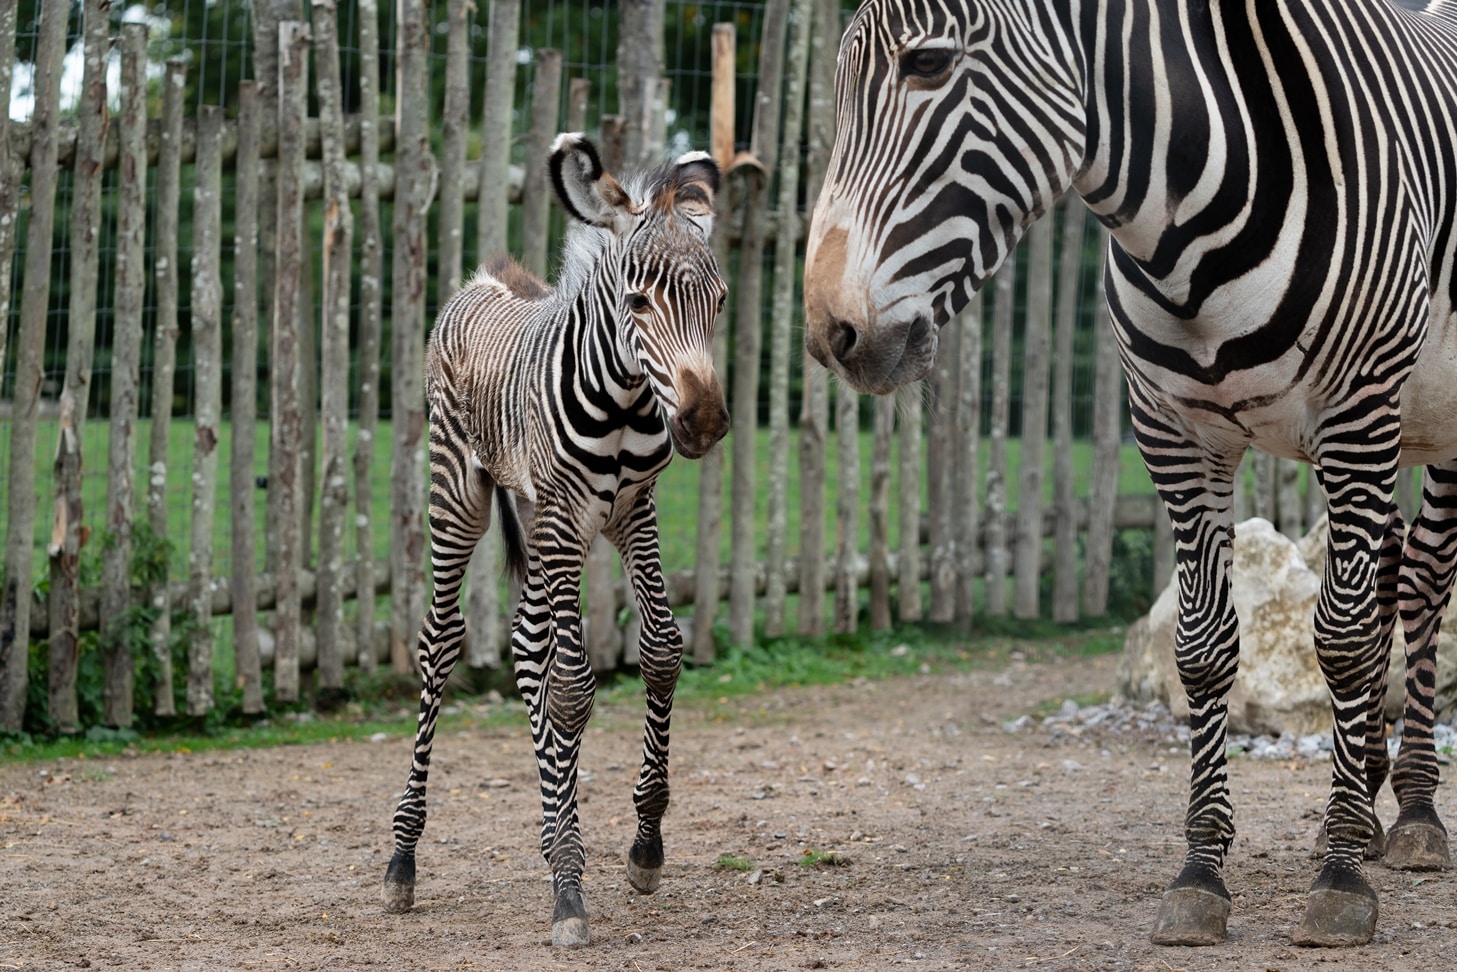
column 1280, row 188
column 574, row 398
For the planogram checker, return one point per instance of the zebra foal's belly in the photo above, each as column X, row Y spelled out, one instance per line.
column 1429, row 400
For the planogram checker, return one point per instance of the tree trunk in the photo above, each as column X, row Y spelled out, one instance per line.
column 884, row 429
column 710, row 471
column 126, row 360
column 371, row 311
column 968, row 461
column 1065, row 561
column 748, row 332
column 996, row 488
column 207, row 348
column 334, row 342
column 1107, row 447
column 782, row 325
column 454, row 129
column 1027, row 558
column 285, row 466
column 847, row 525
column 940, row 461
column 68, row 531
column 29, row 363
column 908, row 584
column 535, row 195
column 11, row 166
column 164, row 362
column 640, row 65
column 245, row 398
column 408, row 467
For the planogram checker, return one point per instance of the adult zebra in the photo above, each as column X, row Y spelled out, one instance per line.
column 573, row 398
column 1280, row 183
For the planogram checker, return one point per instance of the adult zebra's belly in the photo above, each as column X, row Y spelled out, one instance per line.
column 1429, row 399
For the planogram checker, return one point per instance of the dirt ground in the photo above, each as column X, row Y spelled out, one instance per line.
column 962, row 846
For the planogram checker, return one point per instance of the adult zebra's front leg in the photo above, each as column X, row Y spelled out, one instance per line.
column 1418, row 840
column 1195, row 484
column 1357, row 468
column 460, row 513
column 635, row 535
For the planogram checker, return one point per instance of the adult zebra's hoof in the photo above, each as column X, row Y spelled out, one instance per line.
column 1336, row 919
column 1418, row 845
column 399, row 883
column 1191, row 916
column 569, row 919
column 645, row 865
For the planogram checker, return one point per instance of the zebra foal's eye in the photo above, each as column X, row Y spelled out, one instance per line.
column 638, row 302
column 924, row 63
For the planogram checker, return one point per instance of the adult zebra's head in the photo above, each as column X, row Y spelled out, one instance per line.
column 657, row 228
column 959, row 122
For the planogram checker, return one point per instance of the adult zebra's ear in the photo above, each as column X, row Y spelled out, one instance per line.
column 587, row 190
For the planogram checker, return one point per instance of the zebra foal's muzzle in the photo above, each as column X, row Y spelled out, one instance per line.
column 875, row 348
column 702, row 418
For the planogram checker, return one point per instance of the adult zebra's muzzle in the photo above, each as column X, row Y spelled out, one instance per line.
column 875, row 349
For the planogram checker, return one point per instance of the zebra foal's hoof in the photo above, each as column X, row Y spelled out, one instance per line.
column 1417, row 846
column 1335, row 919
column 570, row 932
column 399, row 884
column 645, row 865
column 1191, row 916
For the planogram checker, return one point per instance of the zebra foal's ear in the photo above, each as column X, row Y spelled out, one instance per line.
column 586, row 189
column 697, row 180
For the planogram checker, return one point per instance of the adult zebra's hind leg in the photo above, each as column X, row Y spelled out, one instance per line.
column 661, row 660
column 460, row 494
column 1418, row 840
column 1196, row 486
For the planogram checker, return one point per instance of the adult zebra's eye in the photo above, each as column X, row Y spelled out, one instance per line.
column 638, row 302
column 925, row 63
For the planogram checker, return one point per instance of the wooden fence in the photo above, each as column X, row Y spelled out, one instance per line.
column 301, row 188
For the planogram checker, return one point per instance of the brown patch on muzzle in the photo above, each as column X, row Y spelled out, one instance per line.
column 702, row 418
column 824, row 273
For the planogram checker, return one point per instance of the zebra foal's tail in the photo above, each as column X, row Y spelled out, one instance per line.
column 512, row 537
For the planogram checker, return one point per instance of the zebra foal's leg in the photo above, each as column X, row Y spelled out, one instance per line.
column 1196, row 487
column 1358, row 473
column 661, row 660
column 561, row 704
column 460, row 512
column 1418, row 840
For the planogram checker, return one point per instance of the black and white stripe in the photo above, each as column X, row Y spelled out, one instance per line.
column 572, row 398
column 1279, row 178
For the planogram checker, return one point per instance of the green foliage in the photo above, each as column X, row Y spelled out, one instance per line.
column 1130, row 579
column 819, row 858
column 733, row 862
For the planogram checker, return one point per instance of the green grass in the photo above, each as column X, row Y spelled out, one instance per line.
column 733, row 862
column 385, row 703
column 678, row 491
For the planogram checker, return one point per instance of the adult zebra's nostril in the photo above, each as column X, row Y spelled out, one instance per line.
column 843, row 340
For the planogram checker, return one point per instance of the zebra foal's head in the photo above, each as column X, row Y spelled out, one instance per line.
column 652, row 231
column 958, row 123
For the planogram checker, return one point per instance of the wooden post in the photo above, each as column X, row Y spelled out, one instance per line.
column 1027, row 557
column 454, row 127
column 29, row 355
column 535, row 195
column 814, row 419
column 1065, row 561
column 334, row 347
column 483, row 599
column 639, row 68
column 408, row 468
column 371, row 311
column 207, row 344
column 164, row 362
column 1107, row 445
column 249, row 676
column 710, row 467
column 285, row 446
column 908, row 583
column 68, row 531
column 126, row 360
column 847, row 524
column 879, row 512
column 942, row 437
column 965, row 493
column 11, row 168
column 996, row 488
column 579, row 90
column 782, row 324
column 748, row 331
column 1288, row 502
